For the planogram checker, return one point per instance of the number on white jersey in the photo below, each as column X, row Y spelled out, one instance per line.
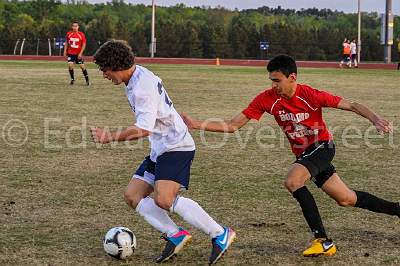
column 161, row 90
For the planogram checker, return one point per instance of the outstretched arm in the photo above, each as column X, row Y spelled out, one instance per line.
column 105, row 136
column 381, row 124
column 228, row 126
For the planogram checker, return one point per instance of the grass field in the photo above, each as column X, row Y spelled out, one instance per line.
column 60, row 193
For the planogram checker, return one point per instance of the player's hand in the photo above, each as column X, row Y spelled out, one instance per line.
column 100, row 135
column 190, row 123
column 79, row 56
column 383, row 126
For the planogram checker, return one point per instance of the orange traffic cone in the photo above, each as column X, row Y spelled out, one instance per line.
column 217, row 63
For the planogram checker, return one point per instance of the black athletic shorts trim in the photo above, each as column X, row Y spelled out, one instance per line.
column 317, row 158
column 74, row 58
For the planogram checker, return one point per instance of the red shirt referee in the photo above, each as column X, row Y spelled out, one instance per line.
column 297, row 110
column 74, row 47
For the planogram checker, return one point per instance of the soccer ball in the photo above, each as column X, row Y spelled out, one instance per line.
column 119, row 243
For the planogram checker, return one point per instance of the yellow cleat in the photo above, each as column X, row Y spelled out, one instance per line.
column 320, row 246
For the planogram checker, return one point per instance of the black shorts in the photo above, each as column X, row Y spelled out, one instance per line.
column 317, row 158
column 74, row 58
column 174, row 166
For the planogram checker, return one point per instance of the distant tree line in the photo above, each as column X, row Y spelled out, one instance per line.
column 307, row 34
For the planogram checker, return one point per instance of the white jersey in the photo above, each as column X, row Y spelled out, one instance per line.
column 353, row 48
column 155, row 112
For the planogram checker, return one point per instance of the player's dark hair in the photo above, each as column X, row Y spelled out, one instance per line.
column 73, row 22
column 114, row 55
column 282, row 63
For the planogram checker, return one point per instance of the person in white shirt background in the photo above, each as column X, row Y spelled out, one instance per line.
column 353, row 53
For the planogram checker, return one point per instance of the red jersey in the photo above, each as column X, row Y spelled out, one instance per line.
column 75, row 42
column 299, row 117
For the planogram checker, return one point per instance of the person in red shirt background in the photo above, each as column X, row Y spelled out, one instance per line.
column 297, row 110
column 74, row 47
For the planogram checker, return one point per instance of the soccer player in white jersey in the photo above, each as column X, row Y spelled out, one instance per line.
column 167, row 169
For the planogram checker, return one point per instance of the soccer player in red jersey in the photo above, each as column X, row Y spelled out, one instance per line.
column 74, row 47
column 297, row 110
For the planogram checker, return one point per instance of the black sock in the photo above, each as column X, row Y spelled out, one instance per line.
column 310, row 211
column 375, row 204
column 84, row 71
column 71, row 73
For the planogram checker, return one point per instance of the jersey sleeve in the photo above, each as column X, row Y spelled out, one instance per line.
column 256, row 108
column 146, row 106
column 326, row 99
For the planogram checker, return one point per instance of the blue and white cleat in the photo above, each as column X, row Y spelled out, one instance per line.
column 174, row 245
column 220, row 244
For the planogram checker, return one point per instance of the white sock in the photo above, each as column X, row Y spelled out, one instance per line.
column 156, row 216
column 192, row 213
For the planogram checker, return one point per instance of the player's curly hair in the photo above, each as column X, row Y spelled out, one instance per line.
column 282, row 63
column 114, row 55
